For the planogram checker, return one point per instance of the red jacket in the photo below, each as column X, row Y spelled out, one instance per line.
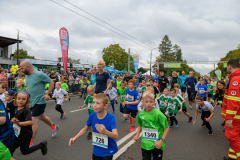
column 231, row 101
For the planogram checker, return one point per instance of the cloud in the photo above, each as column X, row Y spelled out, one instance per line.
column 205, row 30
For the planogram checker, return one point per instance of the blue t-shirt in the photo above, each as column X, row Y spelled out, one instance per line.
column 131, row 97
column 93, row 79
column 101, row 81
column 35, row 83
column 6, row 129
column 109, row 122
column 183, row 78
column 202, row 88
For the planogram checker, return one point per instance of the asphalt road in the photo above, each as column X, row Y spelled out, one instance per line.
column 187, row 142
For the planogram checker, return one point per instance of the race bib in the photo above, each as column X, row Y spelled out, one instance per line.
column 162, row 102
column 130, row 98
column 122, row 97
column 172, row 106
column 111, row 93
column 17, row 129
column 58, row 97
column 90, row 106
column 100, row 140
column 202, row 92
column 150, row 134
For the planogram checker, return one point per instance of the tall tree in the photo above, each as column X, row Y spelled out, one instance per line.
column 165, row 47
column 22, row 54
column 76, row 61
column 177, row 53
column 117, row 57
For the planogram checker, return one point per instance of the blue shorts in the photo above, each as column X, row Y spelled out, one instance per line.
column 121, row 108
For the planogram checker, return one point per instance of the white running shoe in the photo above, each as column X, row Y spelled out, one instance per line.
column 54, row 132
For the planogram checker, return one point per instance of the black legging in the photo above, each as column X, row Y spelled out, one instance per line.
column 206, row 114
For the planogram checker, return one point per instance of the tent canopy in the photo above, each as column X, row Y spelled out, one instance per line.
column 148, row 73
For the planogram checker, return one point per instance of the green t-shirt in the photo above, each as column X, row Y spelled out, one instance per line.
column 88, row 82
column 181, row 99
column 88, row 101
column 64, row 86
column 214, row 84
column 152, row 120
column 4, row 152
column 46, row 86
column 210, row 86
column 144, row 89
column 162, row 99
column 35, row 83
column 23, row 89
column 118, row 83
column 122, row 93
column 81, row 82
column 173, row 104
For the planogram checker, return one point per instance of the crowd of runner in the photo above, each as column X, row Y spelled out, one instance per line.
column 152, row 102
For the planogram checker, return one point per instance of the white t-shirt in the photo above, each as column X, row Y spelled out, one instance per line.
column 141, row 106
column 112, row 93
column 2, row 96
column 206, row 107
column 59, row 95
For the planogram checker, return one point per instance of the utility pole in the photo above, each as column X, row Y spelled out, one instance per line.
column 129, row 60
column 18, row 48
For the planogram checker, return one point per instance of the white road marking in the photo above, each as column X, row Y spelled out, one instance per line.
column 124, row 148
column 78, row 110
column 121, row 141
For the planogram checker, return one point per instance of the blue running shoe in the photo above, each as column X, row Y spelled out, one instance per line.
column 170, row 126
column 113, row 112
column 176, row 125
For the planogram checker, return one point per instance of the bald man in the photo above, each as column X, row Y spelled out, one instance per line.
column 35, row 82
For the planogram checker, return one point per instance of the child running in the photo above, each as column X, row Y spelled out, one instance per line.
column 22, row 124
column 163, row 99
column 59, row 95
column 173, row 103
column 139, row 89
column 104, row 130
column 88, row 101
column 207, row 113
column 141, row 106
column 130, row 102
column 183, row 107
column 84, row 88
column 122, row 93
column 154, row 127
column 112, row 93
column 211, row 88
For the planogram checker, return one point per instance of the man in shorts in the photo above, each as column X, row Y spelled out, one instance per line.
column 35, row 82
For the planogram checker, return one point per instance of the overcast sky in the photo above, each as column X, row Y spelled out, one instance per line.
column 205, row 30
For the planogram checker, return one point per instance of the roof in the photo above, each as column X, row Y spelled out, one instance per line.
column 5, row 41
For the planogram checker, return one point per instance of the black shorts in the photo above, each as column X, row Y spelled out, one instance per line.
column 183, row 89
column 161, row 89
column 38, row 110
column 94, row 157
column 210, row 95
column 133, row 113
column 191, row 95
column 184, row 110
column 205, row 98
column 156, row 153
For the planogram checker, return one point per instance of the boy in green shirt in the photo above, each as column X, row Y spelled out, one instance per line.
column 162, row 100
column 65, row 87
column 122, row 94
column 173, row 103
column 88, row 101
column 118, row 83
column 210, row 88
column 183, row 107
column 154, row 127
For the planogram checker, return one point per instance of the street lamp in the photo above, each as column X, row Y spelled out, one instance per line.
column 151, row 62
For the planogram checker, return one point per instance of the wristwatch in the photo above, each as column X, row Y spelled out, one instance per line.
column 162, row 139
